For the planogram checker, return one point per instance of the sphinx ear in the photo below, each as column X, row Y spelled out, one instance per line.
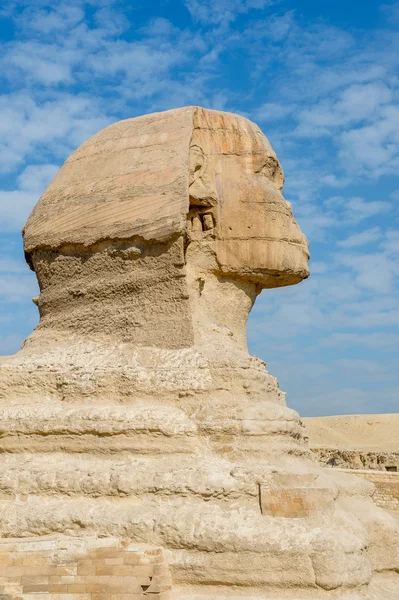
column 202, row 190
column 197, row 162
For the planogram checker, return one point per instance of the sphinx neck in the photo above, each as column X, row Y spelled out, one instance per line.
column 120, row 292
column 143, row 294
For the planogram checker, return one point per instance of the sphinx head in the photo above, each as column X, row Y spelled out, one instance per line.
column 188, row 202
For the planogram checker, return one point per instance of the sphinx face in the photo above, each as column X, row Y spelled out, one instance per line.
column 235, row 195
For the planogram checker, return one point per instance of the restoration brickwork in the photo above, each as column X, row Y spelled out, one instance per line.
column 87, row 569
column 386, row 494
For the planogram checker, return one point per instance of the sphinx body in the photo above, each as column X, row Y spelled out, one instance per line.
column 134, row 420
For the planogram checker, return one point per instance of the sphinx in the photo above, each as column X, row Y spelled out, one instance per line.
column 142, row 446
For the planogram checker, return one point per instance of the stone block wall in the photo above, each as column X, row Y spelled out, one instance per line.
column 387, row 487
column 81, row 569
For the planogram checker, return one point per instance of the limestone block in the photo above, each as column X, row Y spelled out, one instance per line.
column 296, row 502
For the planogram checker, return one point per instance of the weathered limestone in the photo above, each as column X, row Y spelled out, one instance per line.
column 134, row 412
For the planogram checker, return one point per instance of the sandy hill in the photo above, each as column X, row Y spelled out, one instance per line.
column 376, row 433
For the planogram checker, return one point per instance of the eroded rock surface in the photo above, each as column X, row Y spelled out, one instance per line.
column 134, row 412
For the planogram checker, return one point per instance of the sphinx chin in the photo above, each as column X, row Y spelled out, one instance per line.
column 145, row 452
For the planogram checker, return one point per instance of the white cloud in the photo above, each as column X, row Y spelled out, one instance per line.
column 27, row 128
column 355, row 209
column 37, row 64
column 218, row 11
column 378, row 340
column 391, row 243
column 16, row 205
column 354, row 104
column 275, row 28
column 344, row 91
column 337, row 211
column 58, row 125
column 37, row 177
column 373, row 149
column 335, row 181
column 94, row 54
column 272, row 112
column 375, row 272
column 314, row 223
column 46, row 21
column 360, row 239
column 141, row 65
column 363, row 121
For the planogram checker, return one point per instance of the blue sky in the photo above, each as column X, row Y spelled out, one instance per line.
column 320, row 78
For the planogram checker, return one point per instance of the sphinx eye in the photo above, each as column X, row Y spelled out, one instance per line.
column 269, row 168
column 272, row 170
